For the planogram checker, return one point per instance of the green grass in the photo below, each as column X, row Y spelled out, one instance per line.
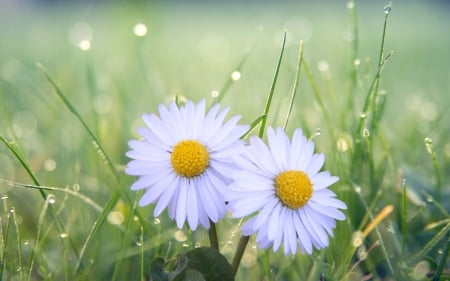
column 376, row 106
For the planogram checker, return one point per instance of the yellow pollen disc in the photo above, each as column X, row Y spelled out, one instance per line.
column 189, row 158
column 294, row 188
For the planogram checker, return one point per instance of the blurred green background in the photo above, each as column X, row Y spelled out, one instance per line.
column 112, row 75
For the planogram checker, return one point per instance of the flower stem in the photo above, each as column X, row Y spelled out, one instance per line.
column 239, row 253
column 213, row 236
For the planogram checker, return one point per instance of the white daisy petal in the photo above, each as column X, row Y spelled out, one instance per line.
column 170, row 161
column 281, row 217
column 315, row 164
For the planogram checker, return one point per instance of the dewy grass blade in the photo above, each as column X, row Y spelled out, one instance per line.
column 443, row 232
column 5, row 244
column 296, row 83
column 354, row 57
column 79, row 195
column 38, row 237
column 437, row 170
column 443, row 261
column 97, row 224
column 72, row 109
column 230, row 79
column 272, row 89
column 404, row 216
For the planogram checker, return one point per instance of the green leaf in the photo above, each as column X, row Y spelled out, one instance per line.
column 157, row 272
column 192, row 275
column 210, row 263
column 177, row 274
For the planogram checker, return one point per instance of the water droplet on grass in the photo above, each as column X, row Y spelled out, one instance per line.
column 156, row 221
column 429, row 145
column 322, row 66
column 49, row 165
column 180, row 236
column 51, row 199
column 357, row 62
column 197, row 245
column 4, row 197
column 357, row 239
column 64, row 235
column 342, row 144
column 215, row 94
column 235, row 75
column 357, row 189
column 140, row 30
column 12, row 210
column 84, row 45
column 366, row 133
column 387, row 9
column 350, row 5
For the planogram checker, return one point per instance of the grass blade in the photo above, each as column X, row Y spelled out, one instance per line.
column 79, row 195
column 38, row 236
column 443, row 261
column 296, row 83
column 71, row 108
column 404, row 215
column 272, row 89
column 229, row 82
column 97, row 224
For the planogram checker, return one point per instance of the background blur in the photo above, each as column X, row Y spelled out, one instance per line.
column 115, row 60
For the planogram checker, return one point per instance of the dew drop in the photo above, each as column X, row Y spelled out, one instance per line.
column 363, row 115
column 156, row 221
column 197, row 245
column 84, row 45
column 362, row 253
column 76, row 187
column 116, row 217
column 26, row 243
column 215, row 94
column 357, row 189
column 429, row 199
column 64, row 235
column 440, row 251
column 139, row 243
column 235, row 75
column 357, row 62
column 342, row 144
column 4, row 197
column 180, row 236
column 322, row 66
column 387, row 9
column 185, row 245
column 357, row 239
column 50, row 165
column 140, row 30
column 12, row 210
column 429, row 145
column 135, row 218
column 350, row 5
column 318, row 131
column 51, row 199
column 366, row 133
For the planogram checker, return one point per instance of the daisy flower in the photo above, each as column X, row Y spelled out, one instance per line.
column 281, row 182
column 183, row 161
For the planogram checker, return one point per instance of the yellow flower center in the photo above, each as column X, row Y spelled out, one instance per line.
column 189, row 158
column 294, row 188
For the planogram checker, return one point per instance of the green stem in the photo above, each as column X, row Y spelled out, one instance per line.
column 213, row 236
column 239, row 253
column 443, row 261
